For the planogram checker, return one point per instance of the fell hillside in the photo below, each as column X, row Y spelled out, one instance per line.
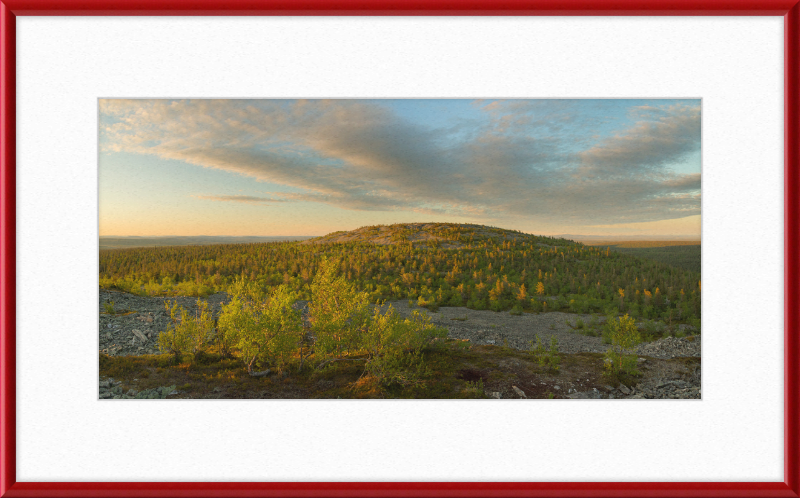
column 517, row 316
column 442, row 235
column 432, row 264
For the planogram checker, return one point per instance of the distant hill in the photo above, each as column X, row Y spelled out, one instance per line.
column 431, row 265
column 597, row 240
column 644, row 243
column 445, row 235
column 200, row 240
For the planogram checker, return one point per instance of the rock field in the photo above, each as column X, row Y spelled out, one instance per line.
column 134, row 327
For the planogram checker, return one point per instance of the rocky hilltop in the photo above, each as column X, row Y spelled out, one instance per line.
column 445, row 235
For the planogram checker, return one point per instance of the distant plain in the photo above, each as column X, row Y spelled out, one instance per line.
column 109, row 242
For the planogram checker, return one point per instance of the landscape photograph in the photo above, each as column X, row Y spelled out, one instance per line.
column 497, row 249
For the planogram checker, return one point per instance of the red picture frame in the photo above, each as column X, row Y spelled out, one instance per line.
column 9, row 9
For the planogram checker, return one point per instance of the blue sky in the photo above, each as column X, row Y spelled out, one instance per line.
column 310, row 167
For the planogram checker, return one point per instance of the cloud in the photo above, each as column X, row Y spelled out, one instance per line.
column 247, row 199
column 661, row 136
column 547, row 161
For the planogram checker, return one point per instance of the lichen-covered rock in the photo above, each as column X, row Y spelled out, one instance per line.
column 156, row 393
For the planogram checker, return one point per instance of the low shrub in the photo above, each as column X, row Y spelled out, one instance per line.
column 624, row 337
column 549, row 359
column 186, row 334
column 263, row 328
column 653, row 329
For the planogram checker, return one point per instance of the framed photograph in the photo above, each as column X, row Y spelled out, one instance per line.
column 389, row 249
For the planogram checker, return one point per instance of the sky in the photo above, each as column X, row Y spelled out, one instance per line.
column 311, row 167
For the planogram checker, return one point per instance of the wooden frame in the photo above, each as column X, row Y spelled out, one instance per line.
column 9, row 9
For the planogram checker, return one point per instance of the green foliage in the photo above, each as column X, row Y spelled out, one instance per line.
column 653, row 329
column 624, row 337
column 516, row 310
column 109, row 306
column 549, row 359
column 186, row 333
column 609, row 328
column 553, row 360
column 491, row 269
column 619, row 363
column 262, row 328
column 474, row 389
column 428, row 303
column 339, row 313
column 537, row 348
column 686, row 257
column 394, row 346
column 390, row 346
column 591, row 329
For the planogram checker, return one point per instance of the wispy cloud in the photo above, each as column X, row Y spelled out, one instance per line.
column 246, row 199
column 545, row 160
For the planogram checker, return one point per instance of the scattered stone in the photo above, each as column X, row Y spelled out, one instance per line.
column 624, row 389
column 519, row 392
column 670, row 347
column 670, row 388
column 157, row 393
column 117, row 338
column 594, row 394
column 139, row 335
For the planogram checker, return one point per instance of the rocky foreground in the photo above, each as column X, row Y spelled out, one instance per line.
column 134, row 327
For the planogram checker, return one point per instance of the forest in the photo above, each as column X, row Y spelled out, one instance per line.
column 681, row 256
column 454, row 265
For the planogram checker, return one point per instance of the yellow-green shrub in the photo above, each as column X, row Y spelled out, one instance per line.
column 262, row 328
column 186, row 334
column 624, row 337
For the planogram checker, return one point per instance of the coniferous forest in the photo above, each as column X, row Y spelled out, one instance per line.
column 477, row 267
